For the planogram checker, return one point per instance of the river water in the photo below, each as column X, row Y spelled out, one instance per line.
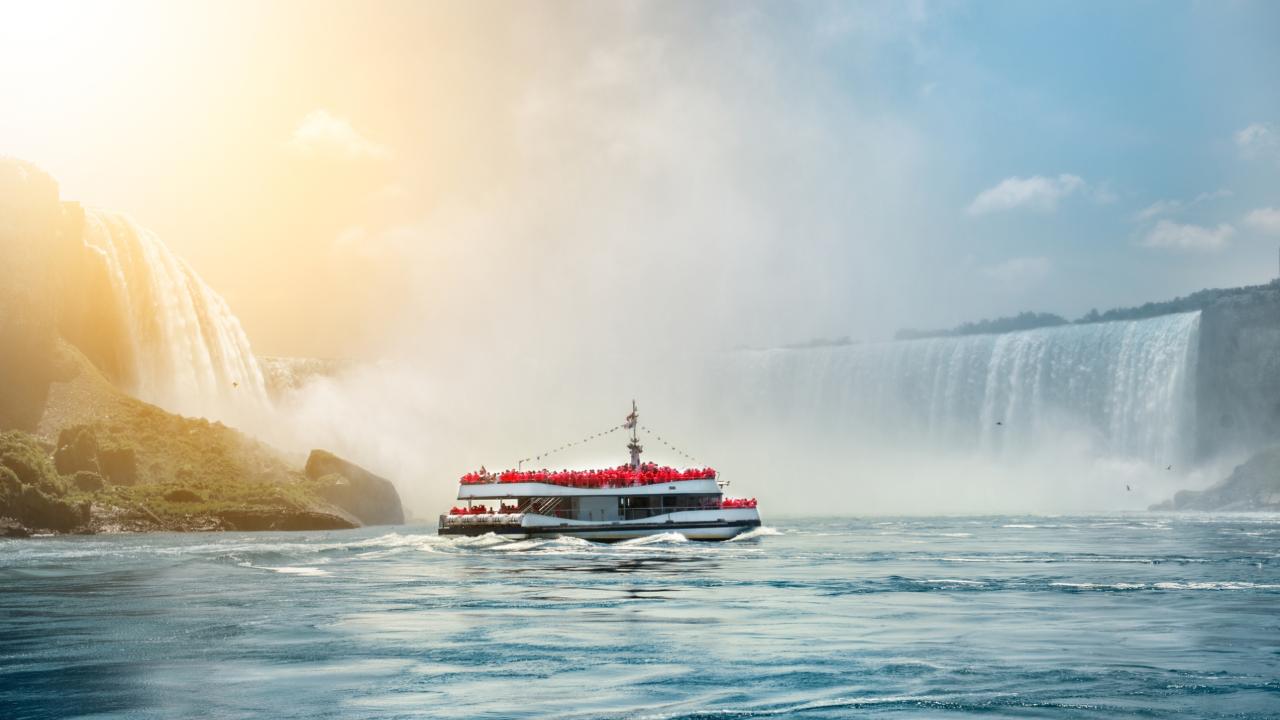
column 1153, row 615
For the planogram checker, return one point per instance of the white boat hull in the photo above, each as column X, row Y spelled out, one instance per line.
column 693, row 524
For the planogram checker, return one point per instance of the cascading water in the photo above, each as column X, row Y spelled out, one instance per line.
column 1128, row 385
column 184, row 349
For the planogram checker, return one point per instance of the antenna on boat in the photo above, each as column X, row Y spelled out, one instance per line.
column 633, row 421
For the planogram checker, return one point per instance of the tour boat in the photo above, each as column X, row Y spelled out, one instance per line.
column 607, row 505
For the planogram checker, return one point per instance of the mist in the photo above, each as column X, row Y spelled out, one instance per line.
column 507, row 222
column 678, row 185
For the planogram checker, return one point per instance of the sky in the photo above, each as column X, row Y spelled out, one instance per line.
column 514, row 217
column 544, row 174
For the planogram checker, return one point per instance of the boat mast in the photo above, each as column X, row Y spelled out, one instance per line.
column 634, row 446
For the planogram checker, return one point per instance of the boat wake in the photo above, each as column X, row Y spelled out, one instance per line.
column 756, row 534
column 659, row 539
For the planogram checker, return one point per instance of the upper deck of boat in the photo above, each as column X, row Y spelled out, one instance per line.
column 492, row 491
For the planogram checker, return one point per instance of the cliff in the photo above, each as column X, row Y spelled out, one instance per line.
column 123, row 465
column 373, row 500
column 1238, row 372
column 78, row 452
column 1237, row 360
column 1255, row 485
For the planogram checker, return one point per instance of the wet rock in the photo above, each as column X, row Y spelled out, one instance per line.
column 371, row 499
column 10, row 528
column 35, row 509
column 259, row 520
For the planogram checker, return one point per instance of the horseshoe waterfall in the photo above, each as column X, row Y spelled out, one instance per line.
column 1127, row 386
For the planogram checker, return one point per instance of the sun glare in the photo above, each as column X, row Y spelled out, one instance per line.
column 60, row 59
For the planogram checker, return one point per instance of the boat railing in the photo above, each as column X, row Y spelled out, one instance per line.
column 555, row 510
column 481, row 519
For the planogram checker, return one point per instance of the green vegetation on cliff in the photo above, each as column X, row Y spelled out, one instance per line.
column 99, row 460
column 1031, row 320
column 32, row 495
column 81, row 454
column 1021, row 321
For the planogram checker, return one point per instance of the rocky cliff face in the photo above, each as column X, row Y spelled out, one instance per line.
column 99, row 460
column 1238, row 373
column 84, row 454
column 1255, row 485
column 371, row 499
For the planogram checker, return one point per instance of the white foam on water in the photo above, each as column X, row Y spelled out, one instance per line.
column 1214, row 586
column 998, row 558
column 661, row 538
column 949, row 581
column 478, row 541
column 759, row 532
column 1100, row 586
column 288, row 570
column 521, row 545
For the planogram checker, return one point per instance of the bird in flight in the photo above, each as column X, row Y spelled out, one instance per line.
column 1126, row 487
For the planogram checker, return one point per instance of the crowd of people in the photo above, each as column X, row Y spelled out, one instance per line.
column 621, row 476
column 504, row 509
column 482, row 510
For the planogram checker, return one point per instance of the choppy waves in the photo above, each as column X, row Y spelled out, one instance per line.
column 1162, row 616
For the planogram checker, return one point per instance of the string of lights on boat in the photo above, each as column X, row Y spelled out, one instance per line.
column 595, row 436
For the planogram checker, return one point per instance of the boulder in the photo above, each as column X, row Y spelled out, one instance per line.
column 182, row 495
column 258, row 520
column 371, row 499
column 31, row 493
column 87, row 481
column 77, row 451
column 119, row 465
column 80, row 450
column 10, row 528
column 23, row 456
column 34, row 509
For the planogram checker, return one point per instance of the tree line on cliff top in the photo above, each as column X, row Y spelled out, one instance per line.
column 1030, row 320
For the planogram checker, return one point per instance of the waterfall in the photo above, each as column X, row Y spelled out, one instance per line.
column 1128, row 386
column 182, row 349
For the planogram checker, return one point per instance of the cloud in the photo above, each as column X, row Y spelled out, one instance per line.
column 1168, row 207
column 1037, row 192
column 1104, row 195
column 1176, row 236
column 1258, row 139
column 1158, row 208
column 1019, row 271
column 1266, row 220
column 321, row 134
